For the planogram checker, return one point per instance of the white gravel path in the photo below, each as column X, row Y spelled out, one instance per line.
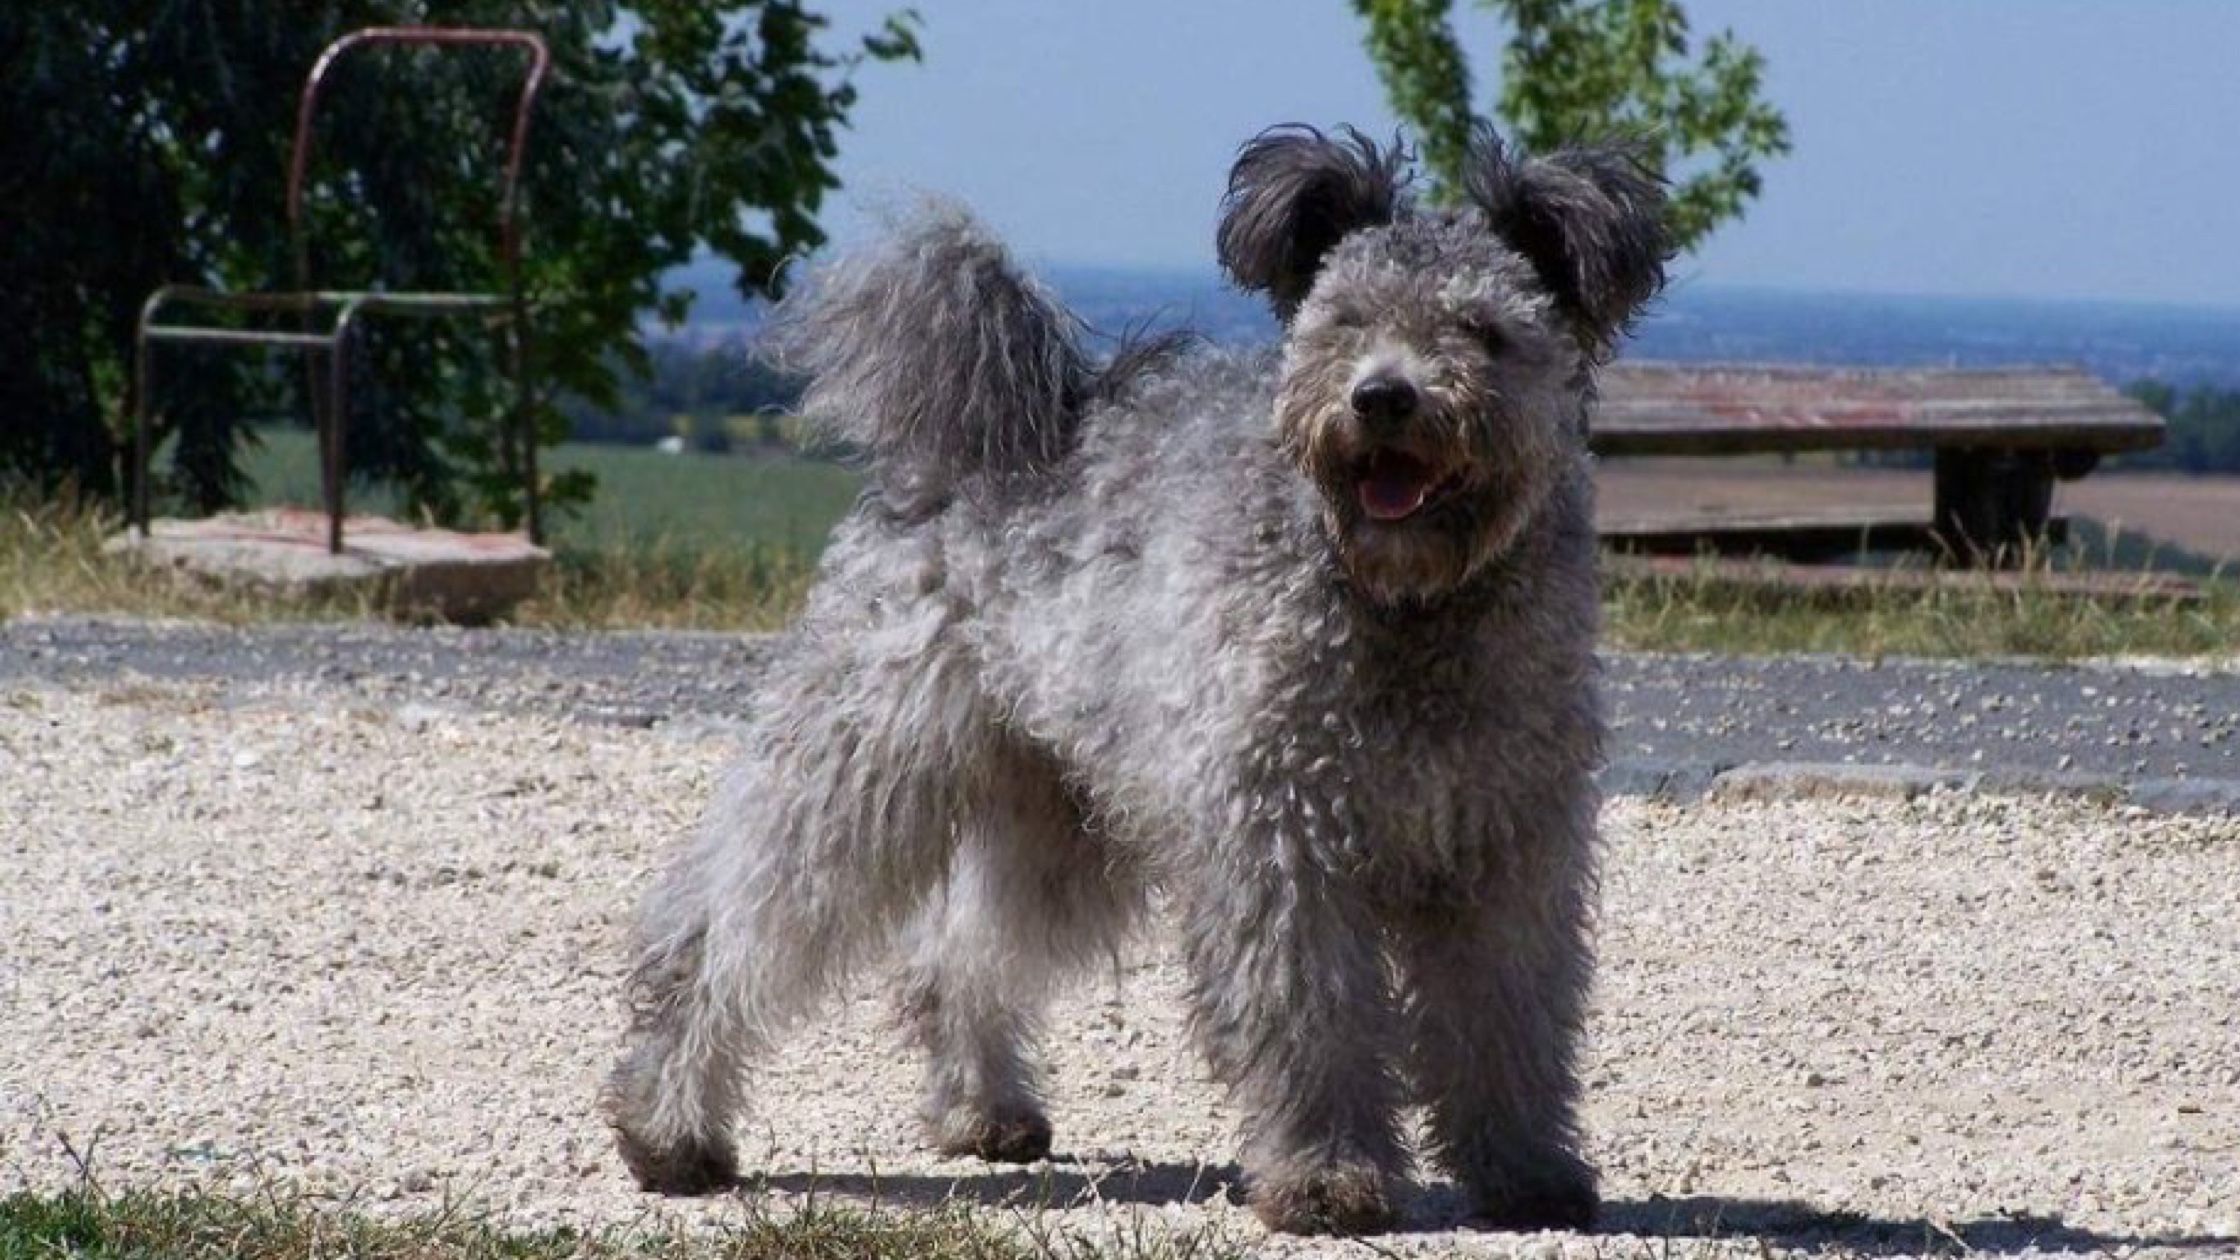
column 262, row 935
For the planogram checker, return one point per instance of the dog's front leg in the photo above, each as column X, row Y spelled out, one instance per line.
column 1495, row 993
column 1292, row 1003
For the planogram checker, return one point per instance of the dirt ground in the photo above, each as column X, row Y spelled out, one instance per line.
column 2199, row 514
column 288, row 936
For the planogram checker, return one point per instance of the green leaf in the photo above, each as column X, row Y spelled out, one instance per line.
column 1585, row 70
column 713, row 127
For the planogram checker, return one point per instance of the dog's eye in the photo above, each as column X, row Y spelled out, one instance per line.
column 1492, row 336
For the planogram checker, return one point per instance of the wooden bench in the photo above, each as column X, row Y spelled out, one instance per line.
column 2000, row 438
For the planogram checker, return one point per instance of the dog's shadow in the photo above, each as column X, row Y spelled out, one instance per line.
column 1059, row 1183
column 1788, row 1224
column 1798, row 1225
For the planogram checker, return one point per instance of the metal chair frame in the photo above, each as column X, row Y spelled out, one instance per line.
column 341, row 309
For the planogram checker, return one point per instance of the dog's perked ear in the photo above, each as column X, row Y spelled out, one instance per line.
column 1590, row 220
column 1294, row 193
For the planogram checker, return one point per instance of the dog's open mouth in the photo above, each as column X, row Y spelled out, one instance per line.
column 1393, row 485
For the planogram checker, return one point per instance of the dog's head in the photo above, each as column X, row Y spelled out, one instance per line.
column 1437, row 362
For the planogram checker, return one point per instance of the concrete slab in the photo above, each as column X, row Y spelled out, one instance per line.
column 436, row 573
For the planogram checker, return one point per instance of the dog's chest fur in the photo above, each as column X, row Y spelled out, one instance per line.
column 1173, row 628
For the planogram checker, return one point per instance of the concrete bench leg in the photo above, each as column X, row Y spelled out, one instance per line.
column 1991, row 505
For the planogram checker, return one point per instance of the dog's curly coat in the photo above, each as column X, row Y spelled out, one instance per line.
column 1309, row 651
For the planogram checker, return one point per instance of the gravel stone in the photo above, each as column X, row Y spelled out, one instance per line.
column 343, row 938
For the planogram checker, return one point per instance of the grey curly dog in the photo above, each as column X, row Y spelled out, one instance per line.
column 1303, row 651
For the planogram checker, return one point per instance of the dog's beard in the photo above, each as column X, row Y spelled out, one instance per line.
column 1414, row 516
column 1432, row 551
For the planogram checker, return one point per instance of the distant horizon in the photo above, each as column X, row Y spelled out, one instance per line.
column 1210, row 271
column 1700, row 320
column 1776, row 288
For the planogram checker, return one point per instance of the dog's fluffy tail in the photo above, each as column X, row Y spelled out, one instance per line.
column 939, row 358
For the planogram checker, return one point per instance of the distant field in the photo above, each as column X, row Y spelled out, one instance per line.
column 791, row 504
column 2200, row 514
column 643, row 495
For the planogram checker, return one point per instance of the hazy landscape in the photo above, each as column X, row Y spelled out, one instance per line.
column 2189, row 523
column 2122, row 342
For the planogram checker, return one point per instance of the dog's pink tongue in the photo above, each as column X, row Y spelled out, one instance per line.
column 1393, row 487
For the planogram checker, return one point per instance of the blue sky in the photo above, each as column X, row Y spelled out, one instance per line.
column 2018, row 148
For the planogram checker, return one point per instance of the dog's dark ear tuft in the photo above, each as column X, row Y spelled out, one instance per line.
column 1590, row 220
column 1293, row 195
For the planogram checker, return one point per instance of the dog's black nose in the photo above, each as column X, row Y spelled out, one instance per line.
column 1384, row 398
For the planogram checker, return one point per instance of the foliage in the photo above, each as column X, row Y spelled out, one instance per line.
column 2204, row 429
column 1585, row 70
column 1413, row 45
column 147, row 144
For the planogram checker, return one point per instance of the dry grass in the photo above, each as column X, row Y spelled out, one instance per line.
column 51, row 561
column 1703, row 611
column 671, row 584
column 148, row 1225
column 86, row 1223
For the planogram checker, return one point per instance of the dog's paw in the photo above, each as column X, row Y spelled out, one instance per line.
column 1020, row 1139
column 660, row 1160
column 1342, row 1200
column 1560, row 1194
column 681, row 1168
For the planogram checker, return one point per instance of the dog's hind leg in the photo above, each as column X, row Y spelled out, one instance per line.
column 829, row 830
column 1495, row 996
column 671, row 1095
column 1031, row 896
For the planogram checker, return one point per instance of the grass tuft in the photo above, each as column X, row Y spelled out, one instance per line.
column 1709, row 610
column 92, row 1224
column 52, row 561
column 671, row 583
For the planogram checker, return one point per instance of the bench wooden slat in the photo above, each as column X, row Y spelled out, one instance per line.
column 1687, row 409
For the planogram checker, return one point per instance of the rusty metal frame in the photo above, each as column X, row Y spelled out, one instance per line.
column 341, row 309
